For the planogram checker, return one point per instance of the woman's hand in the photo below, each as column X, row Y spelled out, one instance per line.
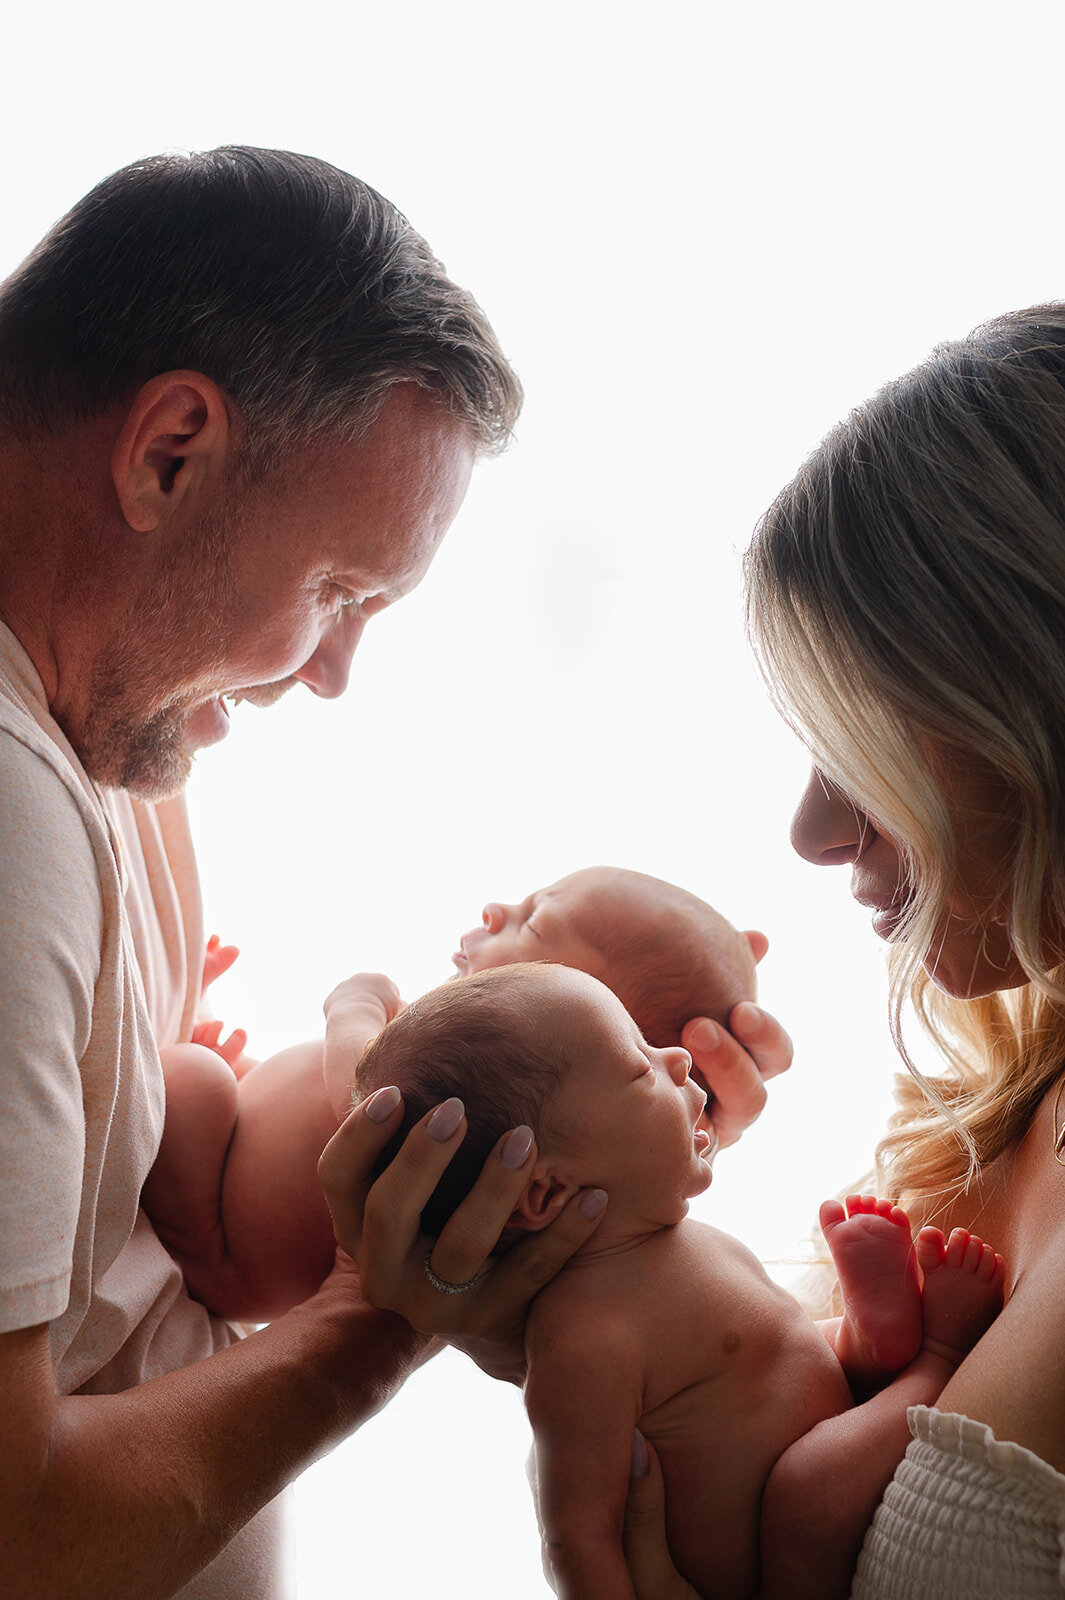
column 377, row 1223
column 654, row 1577
column 733, row 1066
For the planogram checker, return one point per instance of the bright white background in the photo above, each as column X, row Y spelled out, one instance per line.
column 702, row 232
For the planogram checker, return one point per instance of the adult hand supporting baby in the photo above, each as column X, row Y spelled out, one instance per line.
column 377, row 1223
column 654, row 1576
column 733, row 1066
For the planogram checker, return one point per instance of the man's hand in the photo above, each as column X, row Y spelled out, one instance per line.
column 377, row 1223
column 733, row 1066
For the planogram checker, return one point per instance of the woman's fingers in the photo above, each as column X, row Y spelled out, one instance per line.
column 654, row 1576
column 345, row 1168
column 526, row 1268
column 734, row 1066
column 449, row 1287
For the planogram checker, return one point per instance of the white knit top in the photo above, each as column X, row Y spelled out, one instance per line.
column 966, row 1515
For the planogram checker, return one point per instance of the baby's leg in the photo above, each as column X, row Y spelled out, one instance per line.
column 880, row 1330
column 855, row 1455
column 183, row 1191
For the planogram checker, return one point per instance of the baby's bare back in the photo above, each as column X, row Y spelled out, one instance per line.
column 733, row 1372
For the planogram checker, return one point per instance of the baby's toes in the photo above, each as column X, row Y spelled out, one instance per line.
column 957, row 1245
column 830, row 1215
column 930, row 1248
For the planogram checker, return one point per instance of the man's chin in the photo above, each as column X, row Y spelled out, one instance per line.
column 206, row 724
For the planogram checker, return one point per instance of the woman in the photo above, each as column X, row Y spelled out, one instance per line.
column 907, row 599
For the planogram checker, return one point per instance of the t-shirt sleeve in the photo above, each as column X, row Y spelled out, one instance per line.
column 51, row 929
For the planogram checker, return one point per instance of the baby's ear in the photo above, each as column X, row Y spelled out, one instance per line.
column 545, row 1195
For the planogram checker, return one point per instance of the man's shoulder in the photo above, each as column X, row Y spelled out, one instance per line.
column 47, row 820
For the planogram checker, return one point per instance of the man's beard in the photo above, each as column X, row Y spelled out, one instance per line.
column 175, row 634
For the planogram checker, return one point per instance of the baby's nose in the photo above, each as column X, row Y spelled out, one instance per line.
column 493, row 916
column 680, row 1065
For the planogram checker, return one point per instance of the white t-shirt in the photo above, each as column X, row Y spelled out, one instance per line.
column 100, row 941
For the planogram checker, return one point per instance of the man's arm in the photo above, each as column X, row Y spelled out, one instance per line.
column 127, row 1496
column 583, row 1404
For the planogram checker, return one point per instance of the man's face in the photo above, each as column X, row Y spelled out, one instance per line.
column 272, row 588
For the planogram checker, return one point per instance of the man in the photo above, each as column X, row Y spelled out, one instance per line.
column 239, row 403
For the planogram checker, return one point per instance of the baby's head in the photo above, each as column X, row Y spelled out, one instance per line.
column 666, row 954
column 547, row 1046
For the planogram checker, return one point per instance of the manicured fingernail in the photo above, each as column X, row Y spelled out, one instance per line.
column 746, row 1019
column 516, row 1147
column 640, row 1462
column 591, row 1204
column 706, row 1035
column 445, row 1119
column 381, row 1105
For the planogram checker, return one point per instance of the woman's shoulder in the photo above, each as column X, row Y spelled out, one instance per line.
column 1014, row 1379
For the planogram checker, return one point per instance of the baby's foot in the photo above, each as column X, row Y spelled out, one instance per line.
column 880, row 1331
column 964, row 1284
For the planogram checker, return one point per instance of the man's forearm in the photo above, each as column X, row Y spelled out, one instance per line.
column 139, row 1491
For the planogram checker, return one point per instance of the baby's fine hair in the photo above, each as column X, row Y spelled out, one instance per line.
column 667, row 955
column 473, row 1037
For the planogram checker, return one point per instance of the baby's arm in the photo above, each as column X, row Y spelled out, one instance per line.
column 355, row 1013
column 583, row 1395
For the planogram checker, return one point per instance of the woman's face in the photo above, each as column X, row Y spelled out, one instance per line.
column 971, row 953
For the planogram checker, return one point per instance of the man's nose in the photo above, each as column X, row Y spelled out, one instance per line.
column 326, row 672
column 827, row 828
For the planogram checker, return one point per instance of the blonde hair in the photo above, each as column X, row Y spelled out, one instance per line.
column 906, row 597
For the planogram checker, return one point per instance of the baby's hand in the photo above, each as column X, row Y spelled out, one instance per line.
column 371, row 990
column 218, row 959
column 210, row 1034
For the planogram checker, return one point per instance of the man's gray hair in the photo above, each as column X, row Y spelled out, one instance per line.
column 298, row 289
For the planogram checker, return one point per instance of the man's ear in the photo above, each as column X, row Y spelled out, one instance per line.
column 545, row 1195
column 177, row 435
column 758, row 943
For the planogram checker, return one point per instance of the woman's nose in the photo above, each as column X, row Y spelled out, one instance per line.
column 827, row 828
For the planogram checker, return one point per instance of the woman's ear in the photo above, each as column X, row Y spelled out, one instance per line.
column 545, row 1195
column 176, row 435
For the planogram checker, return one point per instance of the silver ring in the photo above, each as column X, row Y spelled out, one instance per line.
column 440, row 1284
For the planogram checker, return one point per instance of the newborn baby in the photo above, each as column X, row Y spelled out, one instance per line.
column 234, row 1193
column 660, row 1321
